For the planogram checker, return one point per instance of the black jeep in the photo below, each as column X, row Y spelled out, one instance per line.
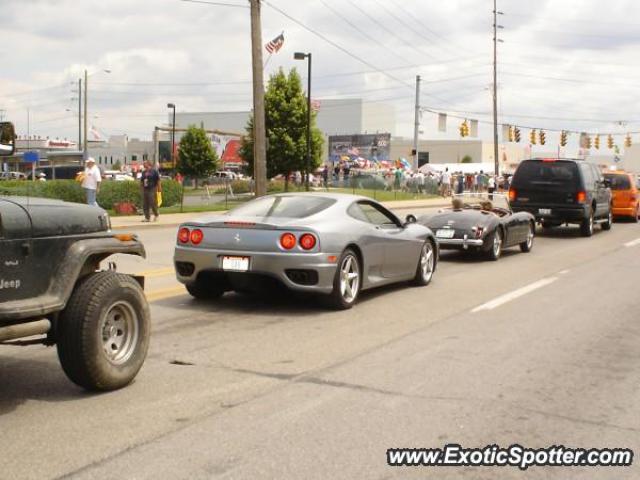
column 52, row 291
column 562, row 191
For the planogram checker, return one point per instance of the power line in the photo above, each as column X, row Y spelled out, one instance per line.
column 219, row 4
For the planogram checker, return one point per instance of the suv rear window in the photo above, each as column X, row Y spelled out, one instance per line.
column 287, row 206
column 538, row 172
column 618, row 182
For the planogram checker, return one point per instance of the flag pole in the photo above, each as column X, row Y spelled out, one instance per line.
column 267, row 62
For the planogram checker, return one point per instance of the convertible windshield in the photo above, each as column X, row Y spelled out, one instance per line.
column 483, row 201
column 285, row 206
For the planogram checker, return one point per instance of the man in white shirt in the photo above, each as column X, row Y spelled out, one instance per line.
column 446, row 182
column 91, row 181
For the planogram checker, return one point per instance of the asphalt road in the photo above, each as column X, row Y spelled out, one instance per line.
column 538, row 349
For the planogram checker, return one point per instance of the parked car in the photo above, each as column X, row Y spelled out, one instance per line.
column 331, row 244
column 626, row 198
column 483, row 223
column 562, row 191
column 12, row 176
column 51, row 286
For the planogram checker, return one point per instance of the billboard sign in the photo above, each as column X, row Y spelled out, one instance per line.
column 374, row 147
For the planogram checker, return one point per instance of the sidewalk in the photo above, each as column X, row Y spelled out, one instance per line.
column 175, row 219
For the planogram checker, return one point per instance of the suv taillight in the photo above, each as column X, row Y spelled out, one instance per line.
column 581, row 197
column 512, row 195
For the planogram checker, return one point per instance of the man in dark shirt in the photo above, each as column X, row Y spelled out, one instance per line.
column 150, row 187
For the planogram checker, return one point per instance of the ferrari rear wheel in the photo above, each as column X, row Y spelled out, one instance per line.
column 426, row 265
column 347, row 281
column 527, row 245
column 496, row 245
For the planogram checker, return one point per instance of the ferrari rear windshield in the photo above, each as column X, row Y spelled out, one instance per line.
column 618, row 182
column 286, row 206
column 551, row 173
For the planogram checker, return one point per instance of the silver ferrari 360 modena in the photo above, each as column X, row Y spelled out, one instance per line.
column 332, row 244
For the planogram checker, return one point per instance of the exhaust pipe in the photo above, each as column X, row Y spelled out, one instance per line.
column 12, row 332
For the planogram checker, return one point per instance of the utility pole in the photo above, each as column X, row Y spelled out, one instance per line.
column 259, row 133
column 79, row 113
column 85, row 146
column 495, row 88
column 416, row 127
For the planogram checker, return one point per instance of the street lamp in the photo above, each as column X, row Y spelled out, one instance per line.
column 173, row 137
column 302, row 56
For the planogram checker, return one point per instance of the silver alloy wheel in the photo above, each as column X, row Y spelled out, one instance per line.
column 591, row 223
column 497, row 243
column 120, row 332
column 349, row 278
column 530, row 237
column 427, row 261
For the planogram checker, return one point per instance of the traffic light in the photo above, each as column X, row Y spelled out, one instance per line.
column 510, row 133
column 532, row 137
column 610, row 143
column 627, row 141
column 587, row 142
column 516, row 134
column 464, row 129
column 543, row 137
column 596, row 142
column 563, row 138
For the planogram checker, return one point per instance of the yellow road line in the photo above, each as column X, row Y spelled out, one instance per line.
column 159, row 272
column 161, row 294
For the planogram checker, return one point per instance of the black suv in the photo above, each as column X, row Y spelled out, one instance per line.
column 558, row 191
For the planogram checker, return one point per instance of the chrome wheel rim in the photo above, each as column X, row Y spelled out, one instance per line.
column 427, row 261
column 120, row 332
column 349, row 278
column 497, row 243
column 591, row 223
column 530, row 237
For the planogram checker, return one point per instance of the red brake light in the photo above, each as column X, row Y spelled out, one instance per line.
column 288, row 241
column 512, row 194
column 581, row 197
column 307, row 241
column 196, row 236
column 183, row 235
column 549, row 159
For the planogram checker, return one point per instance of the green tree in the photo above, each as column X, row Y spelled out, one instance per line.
column 466, row 159
column 117, row 165
column 196, row 157
column 286, row 128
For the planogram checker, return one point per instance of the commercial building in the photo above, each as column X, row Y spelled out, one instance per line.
column 120, row 149
column 458, row 151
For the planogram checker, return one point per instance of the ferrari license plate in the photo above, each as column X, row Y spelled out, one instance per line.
column 237, row 264
column 544, row 211
column 445, row 233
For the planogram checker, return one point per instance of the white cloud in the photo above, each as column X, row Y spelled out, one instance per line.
column 562, row 64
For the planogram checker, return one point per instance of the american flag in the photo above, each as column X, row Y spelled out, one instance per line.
column 276, row 44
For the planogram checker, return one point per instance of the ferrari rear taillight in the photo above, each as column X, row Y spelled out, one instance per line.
column 196, row 236
column 512, row 194
column 183, row 235
column 307, row 241
column 287, row 241
column 581, row 197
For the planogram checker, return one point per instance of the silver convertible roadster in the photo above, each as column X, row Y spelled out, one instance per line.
column 323, row 243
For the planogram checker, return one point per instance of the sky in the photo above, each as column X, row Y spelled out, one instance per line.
column 566, row 64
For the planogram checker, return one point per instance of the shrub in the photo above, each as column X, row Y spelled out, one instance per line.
column 237, row 186
column 110, row 191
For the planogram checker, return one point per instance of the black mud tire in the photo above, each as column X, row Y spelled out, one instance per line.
column 424, row 271
column 527, row 245
column 494, row 251
column 100, row 305
column 606, row 225
column 587, row 225
column 337, row 300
